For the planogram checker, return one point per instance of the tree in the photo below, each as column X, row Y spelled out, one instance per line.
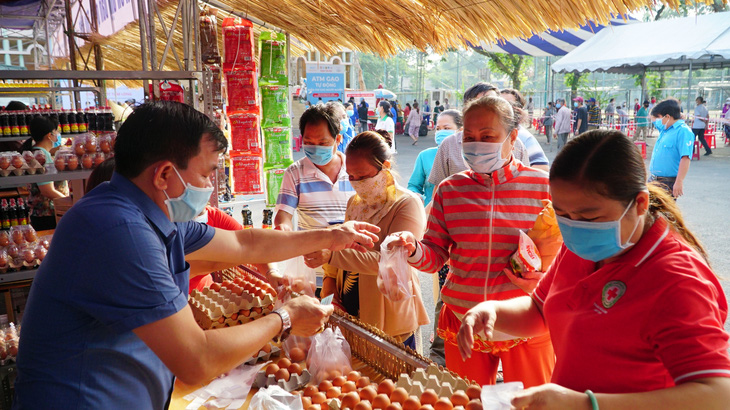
column 512, row 65
column 575, row 81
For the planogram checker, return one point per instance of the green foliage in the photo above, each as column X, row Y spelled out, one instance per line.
column 512, row 65
column 602, row 96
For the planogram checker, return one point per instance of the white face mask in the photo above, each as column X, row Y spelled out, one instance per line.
column 483, row 157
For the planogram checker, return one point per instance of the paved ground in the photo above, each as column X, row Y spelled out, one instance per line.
column 705, row 206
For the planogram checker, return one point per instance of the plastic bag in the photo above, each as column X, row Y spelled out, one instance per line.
column 274, row 178
column 208, row 36
column 329, row 356
column 526, row 258
column 499, row 396
column 275, row 106
column 275, row 398
column 277, row 148
column 296, row 347
column 302, row 278
column 546, row 234
column 394, row 273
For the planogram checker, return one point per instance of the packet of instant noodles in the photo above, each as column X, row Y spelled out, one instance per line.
column 526, row 258
column 545, row 233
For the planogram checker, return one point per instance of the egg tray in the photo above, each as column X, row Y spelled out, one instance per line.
column 216, row 310
column 31, row 169
column 295, row 382
column 263, row 356
column 436, row 378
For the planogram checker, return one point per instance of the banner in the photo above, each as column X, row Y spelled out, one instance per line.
column 325, row 82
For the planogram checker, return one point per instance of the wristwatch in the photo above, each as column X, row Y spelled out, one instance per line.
column 285, row 324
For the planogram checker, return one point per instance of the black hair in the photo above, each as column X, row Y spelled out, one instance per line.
column 699, row 97
column 437, row 102
column 321, row 113
column 608, row 163
column 101, row 173
column 16, row 106
column 519, row 98
column 386, row 107
column 669, row 107
column 455, row 115
column 39, row 127
column 373, row 145
column 163, row 130
column 476, row 89
column 415, row 107
column 408, row 105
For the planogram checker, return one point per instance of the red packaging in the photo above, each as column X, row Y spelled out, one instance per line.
column 245, row 133
column 170, row 91
column 238, row 48
column 247, row 174
column 526, row 258
column 241, row 86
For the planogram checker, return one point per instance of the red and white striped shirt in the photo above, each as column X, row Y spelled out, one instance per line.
column 466, row 207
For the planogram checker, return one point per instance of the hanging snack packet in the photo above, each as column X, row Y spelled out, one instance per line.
column 274, row 178
column 238, row 44
column 241, row 86
column 245, row 133
column 273, row 54
column 527, row 257
column 275, row 106
column 247, row 175
column 546, row 234
column 277, row 148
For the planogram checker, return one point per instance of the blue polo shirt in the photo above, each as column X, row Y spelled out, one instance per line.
column 673, row 143
column 116, row 263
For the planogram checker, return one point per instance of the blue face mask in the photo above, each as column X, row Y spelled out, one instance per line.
column 483, row 157
column 57, row 142
column 442, row 134
column 188, row 205
column 350, row 113
column 594, row 241
column 344, row 126
column 575, row 104
column 318, row 154
column 558, row 105
column 659, row 125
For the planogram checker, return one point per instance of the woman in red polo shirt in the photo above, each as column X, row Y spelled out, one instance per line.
column 633, row 308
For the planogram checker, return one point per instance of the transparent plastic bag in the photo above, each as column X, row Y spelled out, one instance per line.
column 394, row 273
column 296, row 347
column 329, row 356
column 499, row 397
column 275, row 398
column 302, row 279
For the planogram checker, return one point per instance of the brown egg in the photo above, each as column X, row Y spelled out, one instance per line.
column 40, row 157
column 363, row 405
column 411, row 403
column 90, row 145
column 325, row 385
column 3, row 260
column 474, row 392
column 348, row 387
column 72, row 163
column 297, row 355
column 386, row 387
column 333, row 392
column 319, row 398
column 295, row 368
column 368, row 393
column 4, row 162
column 459, row 398
column 429, row 396
column 267, row 349
column 13, row 251
column 313, row 407
column 98, row 159
column 28, row 255
column 310, row 391
column 79, row 148
column 474, row 405
column 339, row 381
column 30, row 235
column 443, row 404
column 399, row 395
column 353, row 376
column 394, row 406
column 282, row 374
column 426, row 407
column 87, row 162
column 350, row 399
column 272, row 369
column 60, row 164
column 381, row 401
column 17, row 161
column 334, row 373
column 284, row 362
column 362, row 382
column 306, row 402
column 28, row 156
column 4, row 239
column 106, row 147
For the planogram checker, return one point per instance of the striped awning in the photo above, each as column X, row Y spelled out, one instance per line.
column 550, row 43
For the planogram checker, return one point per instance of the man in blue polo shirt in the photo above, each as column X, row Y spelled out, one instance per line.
column 673, row 149
column 107, row 324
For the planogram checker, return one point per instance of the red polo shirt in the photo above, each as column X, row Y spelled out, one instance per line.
column 650, row 320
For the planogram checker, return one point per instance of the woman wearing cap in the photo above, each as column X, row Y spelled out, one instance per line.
column 634, row 310
column 45, row 136
column 474, row 224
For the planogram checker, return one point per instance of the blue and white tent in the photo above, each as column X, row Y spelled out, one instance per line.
column 550, row 43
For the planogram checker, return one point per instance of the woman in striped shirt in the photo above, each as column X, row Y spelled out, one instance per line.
column 474, row 225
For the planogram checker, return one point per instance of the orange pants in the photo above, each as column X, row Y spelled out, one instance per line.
column 531, row 363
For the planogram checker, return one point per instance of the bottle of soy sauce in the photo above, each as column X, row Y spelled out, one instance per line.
column 14, row 128
column 268, row 219
column 5, row 124
column 247, row 219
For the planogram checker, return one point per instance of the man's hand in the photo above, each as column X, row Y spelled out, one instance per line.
column 678, row 189
column 528, row 282
column 353, row 235
column 551, row 396
column 478, row 319
column 307, row 315
column 406, row 239
column 317, row 258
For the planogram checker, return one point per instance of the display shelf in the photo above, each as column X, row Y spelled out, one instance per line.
column 18, row 276
column 15, row 138
column 11, row 181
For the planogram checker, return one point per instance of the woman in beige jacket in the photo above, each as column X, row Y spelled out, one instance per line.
column 382, row 202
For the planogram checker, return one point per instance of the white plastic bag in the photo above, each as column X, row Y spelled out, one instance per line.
column 499, row 396
column 394, row 273
column 329, row 356
column 302, row 278
column 275, row 398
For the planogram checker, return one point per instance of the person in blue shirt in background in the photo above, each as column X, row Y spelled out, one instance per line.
column 352, row 113
column 107, row 322
column 449, row 122
column 670, row 159
column 346, row 128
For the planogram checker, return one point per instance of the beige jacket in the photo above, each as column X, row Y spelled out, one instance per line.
column 397, row 319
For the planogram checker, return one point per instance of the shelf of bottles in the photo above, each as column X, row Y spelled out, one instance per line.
column 15, row 125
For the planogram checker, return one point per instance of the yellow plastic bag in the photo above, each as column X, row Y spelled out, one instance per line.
column 546, row 234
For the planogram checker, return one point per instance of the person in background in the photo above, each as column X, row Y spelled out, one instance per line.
column 384, row 203
column 726, row 117
column 653, row 103
column 316, row 187
column 536, row 156
column 623, row 117
column 449, row 123
column 346, row 130
column 413, row 123
column 594, row 114
column 642, row 122
column 385, row 122
column 701, row 119
column 630, row 293
column 611, row 112
column 475, row 224
column 530, row 107
column 637, row 106
column 352, row 113
column 362, row 114
column 548, row 122
column 562, row 122
column 393, row 111
column 406, row 113
column 426, row 112
column 45, row 136
column 399, row 118
column 581, row 116
column 437, row 109
column 670, row 159
column 447, row 106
